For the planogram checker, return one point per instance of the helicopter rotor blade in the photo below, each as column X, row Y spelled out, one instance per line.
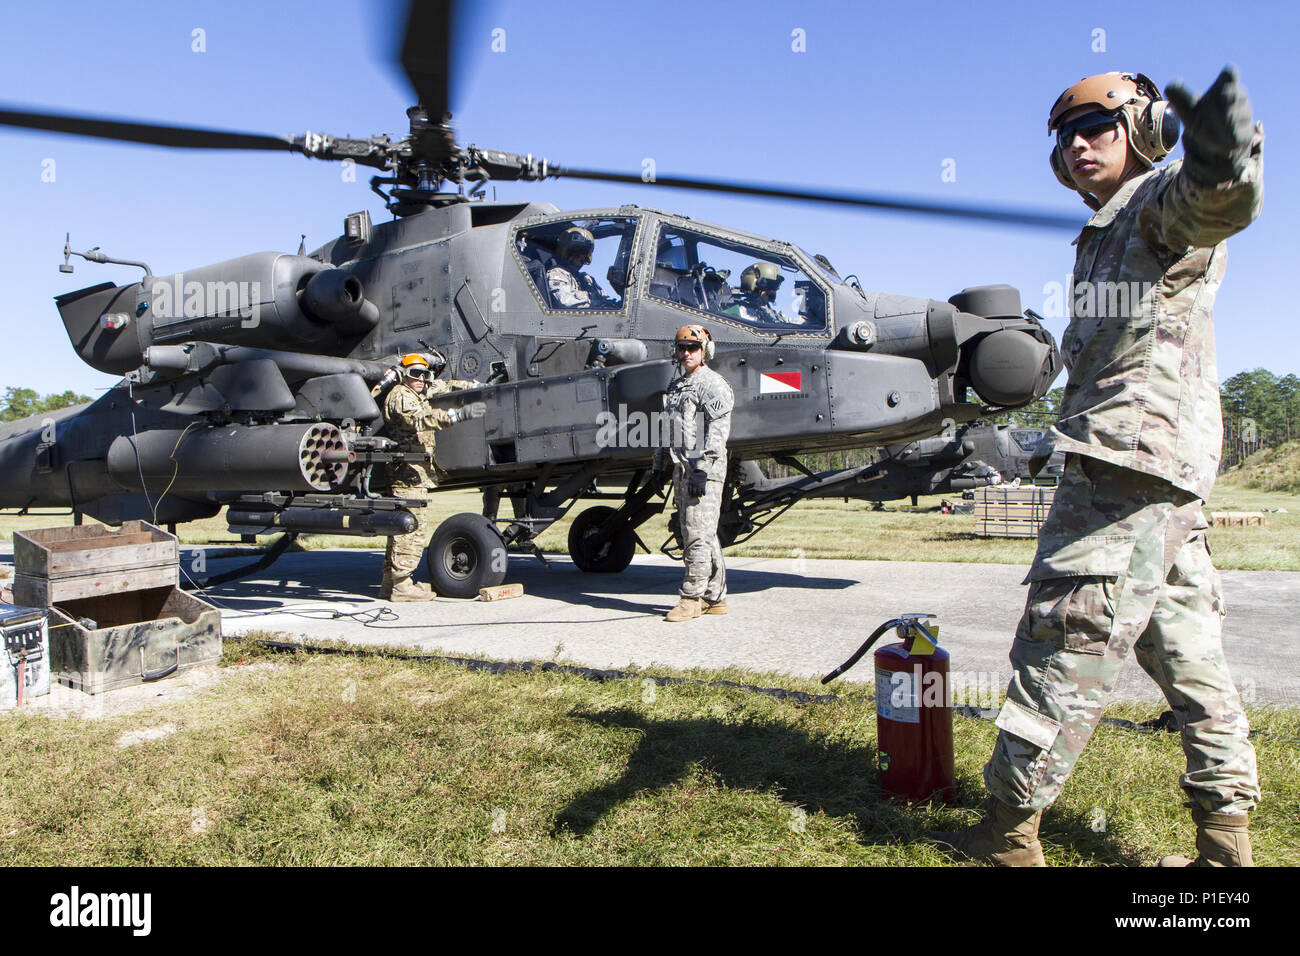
column 426, row 58
column 426, row 54
column 153, row 134
column 1000, row 214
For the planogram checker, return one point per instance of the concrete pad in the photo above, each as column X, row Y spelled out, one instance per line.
column 801, row 617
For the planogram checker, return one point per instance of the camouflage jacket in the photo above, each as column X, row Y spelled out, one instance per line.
column 411, row 422
column 1143, row 390
column 702, row 398
column 576, row 290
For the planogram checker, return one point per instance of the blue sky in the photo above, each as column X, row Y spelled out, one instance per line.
column 884, row 98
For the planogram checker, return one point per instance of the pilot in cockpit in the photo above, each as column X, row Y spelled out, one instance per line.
column 570, row 287
column 754, row 300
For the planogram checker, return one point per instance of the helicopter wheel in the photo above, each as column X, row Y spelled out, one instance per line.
column 466, row 554
column 613, row 557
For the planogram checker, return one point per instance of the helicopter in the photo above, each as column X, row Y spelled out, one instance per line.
column 246, row 384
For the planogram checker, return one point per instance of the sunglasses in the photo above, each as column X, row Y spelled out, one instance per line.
column 688, row 346
column 1089, row 126
column 421, row 373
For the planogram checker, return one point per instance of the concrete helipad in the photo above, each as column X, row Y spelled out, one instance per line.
column 799, row 617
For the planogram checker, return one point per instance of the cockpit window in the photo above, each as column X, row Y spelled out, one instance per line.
column 735, row 282
column 1028, row 439
column 579, row 264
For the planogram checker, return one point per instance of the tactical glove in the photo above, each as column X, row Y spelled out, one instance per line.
column 472, row 410
column 1217, row 128
column 697, row 483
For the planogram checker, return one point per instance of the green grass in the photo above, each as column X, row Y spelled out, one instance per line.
column 324, row 760
column 833, row 528
column 1270, row 469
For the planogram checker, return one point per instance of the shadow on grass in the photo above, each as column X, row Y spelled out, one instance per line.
column 835, row 778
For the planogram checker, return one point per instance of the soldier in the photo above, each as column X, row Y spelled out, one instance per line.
column 698, row 396
column 411, row 422
column 571, row 288
column 1122, row 561
column 753, row 301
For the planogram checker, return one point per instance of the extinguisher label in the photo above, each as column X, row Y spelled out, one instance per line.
column 898, row 696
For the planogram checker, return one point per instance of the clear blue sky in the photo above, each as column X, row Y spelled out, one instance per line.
column 882, row 97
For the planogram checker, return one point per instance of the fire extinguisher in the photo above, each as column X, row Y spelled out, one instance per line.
column 913, row 710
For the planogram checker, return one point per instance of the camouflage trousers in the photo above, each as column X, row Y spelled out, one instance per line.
column 1122, row 565
column 404, row 552
column 706, row 574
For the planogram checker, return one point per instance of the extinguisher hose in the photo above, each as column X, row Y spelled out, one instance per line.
column 857, row 655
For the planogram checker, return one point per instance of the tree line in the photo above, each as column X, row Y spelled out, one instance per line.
column 24, row 402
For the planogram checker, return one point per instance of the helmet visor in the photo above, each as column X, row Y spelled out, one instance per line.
column 1089, row 126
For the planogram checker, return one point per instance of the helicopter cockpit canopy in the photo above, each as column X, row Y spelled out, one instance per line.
column 601, row 282
column 736, row 283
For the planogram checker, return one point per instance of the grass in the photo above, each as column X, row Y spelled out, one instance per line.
column 1270, row 469
column 833, row 528
column 327, row 760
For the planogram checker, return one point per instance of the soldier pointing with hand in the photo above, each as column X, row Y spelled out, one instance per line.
column 1123, row 565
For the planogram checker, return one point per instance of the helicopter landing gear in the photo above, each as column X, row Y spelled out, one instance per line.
column 466, row 554
column 600, row 545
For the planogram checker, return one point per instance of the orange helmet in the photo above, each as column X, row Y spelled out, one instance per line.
column 433, row 362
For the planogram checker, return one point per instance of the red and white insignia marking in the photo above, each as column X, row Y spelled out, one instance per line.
column 779, row 382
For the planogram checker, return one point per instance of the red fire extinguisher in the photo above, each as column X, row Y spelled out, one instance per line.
column 913, row 710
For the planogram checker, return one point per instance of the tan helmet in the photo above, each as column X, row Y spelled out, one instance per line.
column 698, row 335
column 761, row 277
column 1135, row 101
column 573, row 240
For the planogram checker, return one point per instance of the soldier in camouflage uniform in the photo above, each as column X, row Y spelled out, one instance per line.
column 411, row 422
column 1123, row 563
column 570, row 287
column 698, row 399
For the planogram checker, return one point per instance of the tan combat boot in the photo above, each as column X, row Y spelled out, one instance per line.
column 715, row 607
column 1221, row 840
column 1007, row 836
column 408, row 590
column 687, row 609
column 386, row 585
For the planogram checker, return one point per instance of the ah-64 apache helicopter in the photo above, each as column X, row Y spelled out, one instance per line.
column 255, row 393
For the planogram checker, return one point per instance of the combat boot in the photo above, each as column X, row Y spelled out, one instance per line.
column 1221, row 840
column 408, row 590
column 715, row 607
column 1007, row 836
column 386, row 585
column 687, row 609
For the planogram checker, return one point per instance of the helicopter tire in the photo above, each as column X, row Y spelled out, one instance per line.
column 614, row 557
column 466, row 554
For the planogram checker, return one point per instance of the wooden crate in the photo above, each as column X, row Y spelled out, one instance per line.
column 1011, row 512
column 105, row 642
column 52, row 565
column 1237, row 519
